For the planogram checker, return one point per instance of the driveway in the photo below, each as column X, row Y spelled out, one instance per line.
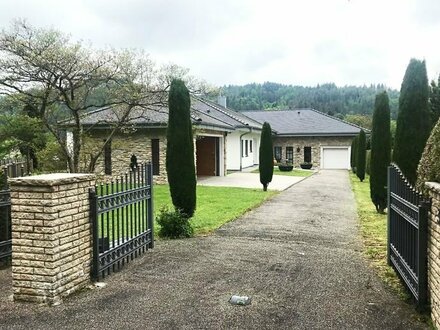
column 298, row 256
column 248, row 180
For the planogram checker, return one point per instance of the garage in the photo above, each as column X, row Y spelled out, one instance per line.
column 335, row 158
column 207, row 155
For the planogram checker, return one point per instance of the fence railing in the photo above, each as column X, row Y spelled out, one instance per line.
column 122, row 220
column 15, row 167
column 10, row 168
column 407, row 233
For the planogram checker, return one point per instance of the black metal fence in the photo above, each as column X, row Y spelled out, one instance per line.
column 11, row 168
column 5, row 226
column 407, row 233
column 122, row 220
column 15, row 167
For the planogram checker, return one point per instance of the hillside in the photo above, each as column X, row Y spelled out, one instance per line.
column 328, row 98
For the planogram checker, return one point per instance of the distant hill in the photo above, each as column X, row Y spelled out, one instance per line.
column 328, row 98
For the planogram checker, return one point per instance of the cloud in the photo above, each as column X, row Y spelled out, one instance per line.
column 234, row 42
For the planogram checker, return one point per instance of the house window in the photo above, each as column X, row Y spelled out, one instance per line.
column 155, row 156
column 246, row 153
column 250, row 146
column 278, row 153
column 289, row 154
column 242, row 148
column 307, row 154
column 108, row 157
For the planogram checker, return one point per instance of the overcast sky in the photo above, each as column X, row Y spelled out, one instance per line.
column 300, row 42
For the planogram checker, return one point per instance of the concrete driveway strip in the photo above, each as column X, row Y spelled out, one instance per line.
column 298, row 257
column 249, row 180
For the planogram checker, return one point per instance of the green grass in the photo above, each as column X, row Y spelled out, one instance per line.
column 294, row 172
column 215, row 205
column 373, row 229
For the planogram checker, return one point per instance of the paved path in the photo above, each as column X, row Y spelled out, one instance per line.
column 297, row 255
column 248, row 180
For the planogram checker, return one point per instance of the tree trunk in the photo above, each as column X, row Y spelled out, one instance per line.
column 265, row 187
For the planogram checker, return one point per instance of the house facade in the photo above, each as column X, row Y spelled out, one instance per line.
column 309, row 136
column 217, row 132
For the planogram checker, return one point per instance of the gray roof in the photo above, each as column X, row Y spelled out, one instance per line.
column 203, row 114
column 304, row 122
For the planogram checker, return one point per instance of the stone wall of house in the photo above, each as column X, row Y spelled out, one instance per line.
column 51, row 236
column 124, row 145
column 315, row 142
column 434, row 252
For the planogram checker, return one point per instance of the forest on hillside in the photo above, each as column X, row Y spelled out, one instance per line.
column 328, row 98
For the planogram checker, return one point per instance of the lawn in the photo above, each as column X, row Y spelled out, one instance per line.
column 215, row 205
column 294, row 172
column 373, row 228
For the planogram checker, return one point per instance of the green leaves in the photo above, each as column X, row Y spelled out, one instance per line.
column 266, row 156
column 413, row 121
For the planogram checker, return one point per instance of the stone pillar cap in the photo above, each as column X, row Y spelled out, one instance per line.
column 52, row 179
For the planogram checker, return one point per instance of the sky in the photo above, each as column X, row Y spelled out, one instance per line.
column 298, row 42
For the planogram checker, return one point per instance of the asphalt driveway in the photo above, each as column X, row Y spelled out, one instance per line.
column 298, row 257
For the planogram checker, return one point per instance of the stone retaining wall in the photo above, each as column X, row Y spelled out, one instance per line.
column 51, row 236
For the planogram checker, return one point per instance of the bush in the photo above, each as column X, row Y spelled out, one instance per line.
column 367, row 164
column 429, row 166
column 361, row 155
column 174, row 224
column 180, row 163
column 51, row 158
column 266, row 156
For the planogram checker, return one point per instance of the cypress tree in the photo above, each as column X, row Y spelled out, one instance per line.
column 266, row 156
column 434, row 100
column 361, row 154
column 354, row 152
column 352, row 155
column 413, row 120
column 380, row 151
column 429, row 167
column 180, row 150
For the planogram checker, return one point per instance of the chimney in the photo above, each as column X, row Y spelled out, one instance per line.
column 222, row 100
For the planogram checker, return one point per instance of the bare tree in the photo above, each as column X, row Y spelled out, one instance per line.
column 60, row 79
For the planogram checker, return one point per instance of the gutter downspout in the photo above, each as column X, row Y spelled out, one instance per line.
column 241, row 147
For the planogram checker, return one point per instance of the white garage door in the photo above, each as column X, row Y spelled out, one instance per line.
column 335, row 158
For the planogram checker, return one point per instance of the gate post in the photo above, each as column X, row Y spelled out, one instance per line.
column 434, row 251
column 51, row 236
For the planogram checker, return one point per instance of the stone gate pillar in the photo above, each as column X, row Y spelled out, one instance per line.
column 434, row 251
column 51, row 236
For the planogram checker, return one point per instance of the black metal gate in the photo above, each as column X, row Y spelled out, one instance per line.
column 5, row 226
column 407, row 233
column 122, row 220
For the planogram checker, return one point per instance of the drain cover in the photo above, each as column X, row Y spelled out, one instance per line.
column 240, row 300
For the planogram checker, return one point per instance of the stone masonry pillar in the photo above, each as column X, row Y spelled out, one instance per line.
column 434, row 251
column 51, row 236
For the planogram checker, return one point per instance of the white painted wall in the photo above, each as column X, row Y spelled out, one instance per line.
column 69, row 142
column 233, row 150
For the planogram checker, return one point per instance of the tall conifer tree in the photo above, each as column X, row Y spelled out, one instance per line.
column 266, row 156
column 361, row 150
column 180, row 150
column 380, row 151
column 413, row 120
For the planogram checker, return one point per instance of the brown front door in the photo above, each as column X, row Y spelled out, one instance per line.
column 206, row 153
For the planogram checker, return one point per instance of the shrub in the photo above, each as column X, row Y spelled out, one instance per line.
column 180, row 149
column 266, row 156
column 368, row 162
column 361, row 154
column 380, row 152
column 413, row 120
column 429, row 166
column 173, row 224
